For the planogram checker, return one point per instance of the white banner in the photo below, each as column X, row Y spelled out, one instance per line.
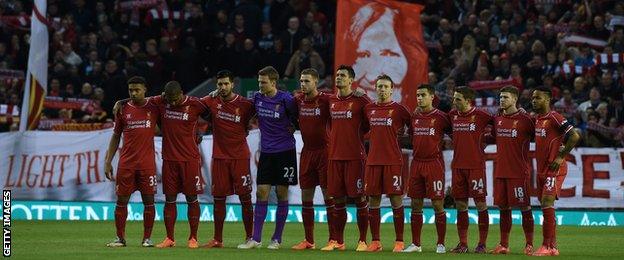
column 68, row 166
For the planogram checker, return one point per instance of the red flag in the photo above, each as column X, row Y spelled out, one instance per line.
column 382, row 37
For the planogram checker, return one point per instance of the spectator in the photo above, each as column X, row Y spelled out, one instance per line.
column 305, row 57
column 292, row 36
column 253, row 60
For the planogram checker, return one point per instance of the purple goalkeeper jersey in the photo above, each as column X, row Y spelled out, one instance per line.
column 275, row 116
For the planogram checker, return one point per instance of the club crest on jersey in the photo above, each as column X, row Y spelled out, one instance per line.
column 472, row 118
column 277, row 107
column 128, row 116
column 416, row 121
column 455, row 117
column 515, row 123
column 390, row 112
column 500, row 122
column 432, row 122
column 219, row 106
column 545, row 123
column 350, row 105
column 373, row 112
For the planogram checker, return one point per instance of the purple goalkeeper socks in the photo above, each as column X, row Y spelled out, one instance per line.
column 281, row 215
column 260, row 213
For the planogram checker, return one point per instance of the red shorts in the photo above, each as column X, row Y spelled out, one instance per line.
column 427, row 180
column 182, row 177
column 129, row 180
column 383, row 179
column 469, row 183
column 313, row 169
column 230, row 176
column 344, row 178
column 549, row 185
column 511, row 192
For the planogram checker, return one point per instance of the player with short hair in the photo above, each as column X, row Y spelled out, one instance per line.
column 513, row 130
column 346, row 157
column 427, row 170
column 277, row 113
column 387, row 121
column 181, row 170
column 554, row 139
column 136, row 170
column 468, row 166
column 230, row 172
column 313, row 108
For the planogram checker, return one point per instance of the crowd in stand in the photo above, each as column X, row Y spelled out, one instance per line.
column 575, row 47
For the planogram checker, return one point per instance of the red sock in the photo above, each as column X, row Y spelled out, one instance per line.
column 307, row 212
column 548, row 227
column 121, row 214
column 375, row 222
column 362, row 218
column 148, row 220
column 505, row 226
column 340, row 216
column 398, row 216
column 440, row 220
column 484, row 226
column 193, row 218
column 171, row 213
column 528, row 224
column 248, row 214
column 329, row 208
column 462, row 227
column 417, row 223
column 219, row 217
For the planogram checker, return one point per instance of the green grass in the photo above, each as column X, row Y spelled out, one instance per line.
column 86, row 240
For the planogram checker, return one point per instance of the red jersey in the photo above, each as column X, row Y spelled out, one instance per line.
column 229, row 122
column 550, row 129
column 348, row 126
column 179, row 126
column 387, row 121
column 137, row 125
column 513, row 134
column 314, row 121
column 428, row 131
column 468, row 140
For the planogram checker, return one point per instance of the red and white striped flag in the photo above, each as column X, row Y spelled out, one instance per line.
column 37, row 73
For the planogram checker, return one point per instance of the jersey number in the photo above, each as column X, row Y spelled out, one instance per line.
column 519, row 192
column 152, row 180
column 246, row 180
column 289, row 172
column 437, row 186
column 476, row 185
column 398, row 180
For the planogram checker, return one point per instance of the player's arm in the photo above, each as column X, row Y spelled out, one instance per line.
column 112, row 147
column 571, row 138
column 291, row 111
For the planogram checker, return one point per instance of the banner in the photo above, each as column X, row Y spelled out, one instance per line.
column 383, row 37
column 103, row 211
column 37, row 74
column 69, row 166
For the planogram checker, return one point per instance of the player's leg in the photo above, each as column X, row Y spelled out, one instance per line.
column 193, row 213
column 440, row 222
column 337, row 189
column 307, row 213
column 550, row 186
column 374, row 217
column 416, row 192
column 308, row 181
column 460, row 190
column 121, row 214
column 287, row 162
column 149, row 213
column 222, row 186
column 329, row 201
column 502, row 201
column 147, row 186
column 435, row 191
column 528, row 224
column 355, row 188
column 478, row 192
column 373, row 183
column 193, row 184
column 393, row 187
column 172, row 185
column 398, row 216
column 281, row 215
column 242, row 184
column 125, row 185
column 260, row 210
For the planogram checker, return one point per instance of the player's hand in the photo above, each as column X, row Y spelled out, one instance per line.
column 108, row 171
column 214, row 93
column 554, row 166
column 358, row 92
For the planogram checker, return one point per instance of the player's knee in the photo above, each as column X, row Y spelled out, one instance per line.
column 147, row 199
column 123, row 200
column 191, row 198
column 244, row 197
column 438, row 205
column 374, row 201
column 461, row 204
column 417, row 204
